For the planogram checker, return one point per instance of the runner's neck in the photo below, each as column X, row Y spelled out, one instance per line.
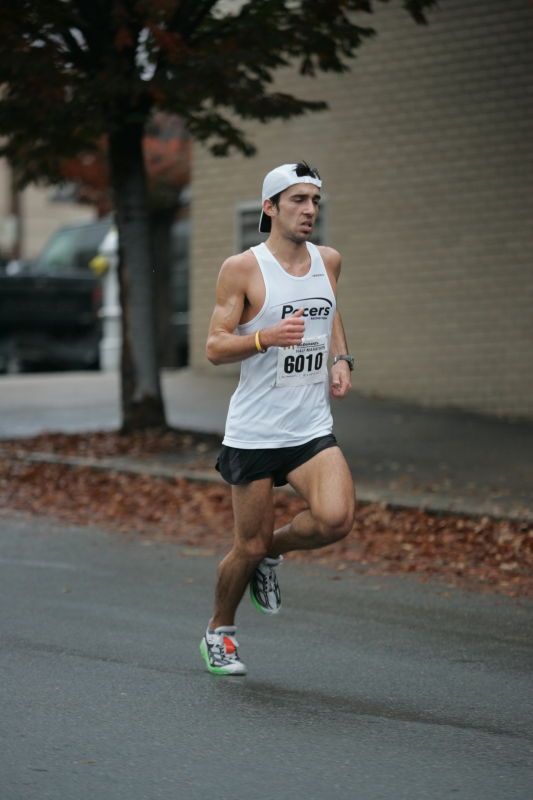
column 295, row 258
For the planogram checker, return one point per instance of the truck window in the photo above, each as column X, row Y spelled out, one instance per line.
column 70, row 249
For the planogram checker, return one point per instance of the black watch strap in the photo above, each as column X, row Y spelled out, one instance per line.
column 349, row 360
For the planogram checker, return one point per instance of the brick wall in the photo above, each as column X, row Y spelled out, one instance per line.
column 41, row 216
column 427, row 161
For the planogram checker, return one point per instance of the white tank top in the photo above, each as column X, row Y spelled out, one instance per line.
column 282, row 399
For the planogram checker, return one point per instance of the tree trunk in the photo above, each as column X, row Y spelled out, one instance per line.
column 161, row 222
column 142, row 400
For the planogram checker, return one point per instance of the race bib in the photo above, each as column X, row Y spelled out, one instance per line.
column 304, row 363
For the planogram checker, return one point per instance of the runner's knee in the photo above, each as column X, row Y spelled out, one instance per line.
column 253, row 549
column 335, row 524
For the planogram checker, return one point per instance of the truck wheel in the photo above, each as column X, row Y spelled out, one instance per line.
column 14, row 364
column 94, row 364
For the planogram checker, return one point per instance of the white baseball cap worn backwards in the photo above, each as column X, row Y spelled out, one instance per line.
column 277, row 180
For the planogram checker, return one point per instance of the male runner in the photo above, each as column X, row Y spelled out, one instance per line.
column 276, row 313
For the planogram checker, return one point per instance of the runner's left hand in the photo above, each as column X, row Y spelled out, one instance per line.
column 340, row 379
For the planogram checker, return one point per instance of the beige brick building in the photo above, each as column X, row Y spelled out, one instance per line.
column 427, row 165
column 40, row 212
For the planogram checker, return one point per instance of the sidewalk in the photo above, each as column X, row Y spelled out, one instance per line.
column 399, row 453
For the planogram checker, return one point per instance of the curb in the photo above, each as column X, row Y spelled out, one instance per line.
column 432, row 503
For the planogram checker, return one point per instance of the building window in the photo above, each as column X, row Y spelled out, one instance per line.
column 248, row 222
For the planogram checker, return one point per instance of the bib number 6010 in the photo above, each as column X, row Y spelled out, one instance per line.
column 312, row 362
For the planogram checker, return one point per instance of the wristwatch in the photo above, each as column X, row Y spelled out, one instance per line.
column 350, row 360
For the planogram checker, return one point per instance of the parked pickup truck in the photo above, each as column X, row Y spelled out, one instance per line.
column 49, row 308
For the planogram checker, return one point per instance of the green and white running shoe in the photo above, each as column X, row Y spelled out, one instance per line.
column 264, row 586
column 219, row 651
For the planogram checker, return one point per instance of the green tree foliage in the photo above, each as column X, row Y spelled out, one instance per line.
column 72, row 70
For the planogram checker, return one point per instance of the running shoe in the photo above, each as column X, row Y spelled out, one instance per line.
column 264, row 586
column 219, row 651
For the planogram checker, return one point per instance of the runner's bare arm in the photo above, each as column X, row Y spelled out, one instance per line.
column 224, row 346
column 340, row 374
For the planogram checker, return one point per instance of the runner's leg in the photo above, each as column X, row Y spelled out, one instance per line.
column 326, row 483
column 253, row 510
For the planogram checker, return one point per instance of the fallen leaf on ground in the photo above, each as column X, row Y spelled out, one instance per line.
column 478, row 553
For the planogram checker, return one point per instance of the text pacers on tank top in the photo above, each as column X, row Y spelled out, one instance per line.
column 282, row 399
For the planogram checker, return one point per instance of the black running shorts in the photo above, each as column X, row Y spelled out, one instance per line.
column 237, row 465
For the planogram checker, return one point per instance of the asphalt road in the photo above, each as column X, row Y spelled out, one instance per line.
column 364, row 688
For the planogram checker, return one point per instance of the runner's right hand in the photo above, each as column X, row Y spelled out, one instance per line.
column 289, row 331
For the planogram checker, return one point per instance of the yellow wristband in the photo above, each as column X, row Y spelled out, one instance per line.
column 258, row 346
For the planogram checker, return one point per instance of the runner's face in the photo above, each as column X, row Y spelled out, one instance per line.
column 298, row 210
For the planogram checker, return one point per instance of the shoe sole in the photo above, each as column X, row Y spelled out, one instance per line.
column 261, row 608
column 218, row 670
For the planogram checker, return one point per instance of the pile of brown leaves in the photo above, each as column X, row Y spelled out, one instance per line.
column 474, row 553
column 107, row 444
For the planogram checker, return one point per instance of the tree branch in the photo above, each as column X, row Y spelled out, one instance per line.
column 186, row 22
